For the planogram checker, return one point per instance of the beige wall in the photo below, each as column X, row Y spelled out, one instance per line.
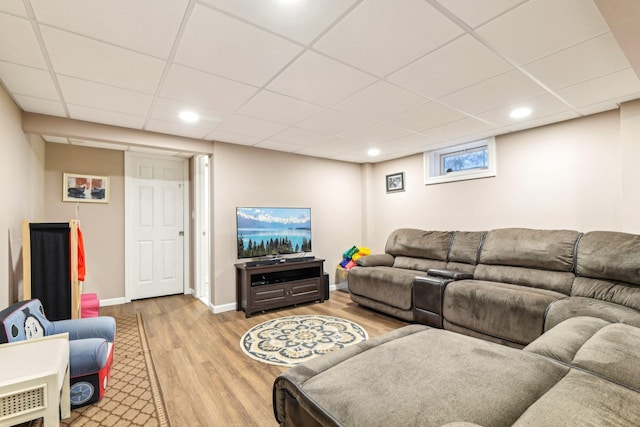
column 630, row 166
column 245, row 176
column 22, row 177
column 578, row 174
column 102, row 225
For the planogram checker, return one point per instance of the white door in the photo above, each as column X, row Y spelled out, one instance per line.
column 156, row 226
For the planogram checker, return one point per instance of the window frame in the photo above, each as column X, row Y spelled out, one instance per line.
column 433, row 162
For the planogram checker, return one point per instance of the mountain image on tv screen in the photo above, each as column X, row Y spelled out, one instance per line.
column 273, row 231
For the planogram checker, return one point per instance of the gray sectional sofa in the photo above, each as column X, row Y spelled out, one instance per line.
column 583, row 372
column 564, row 305
column 523, row 283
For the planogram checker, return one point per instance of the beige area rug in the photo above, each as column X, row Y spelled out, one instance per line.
column 289, row 341
column 133, row 396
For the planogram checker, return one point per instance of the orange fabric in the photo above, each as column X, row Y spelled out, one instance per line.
column 82, row 269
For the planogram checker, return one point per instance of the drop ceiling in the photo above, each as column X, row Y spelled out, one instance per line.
column 324, row 78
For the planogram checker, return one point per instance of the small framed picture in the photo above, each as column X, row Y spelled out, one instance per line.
column 85, row 188
column 395, row 182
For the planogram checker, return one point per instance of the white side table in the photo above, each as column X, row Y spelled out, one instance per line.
column 34, row 380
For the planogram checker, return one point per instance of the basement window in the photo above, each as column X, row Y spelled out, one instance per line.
column 460, row 162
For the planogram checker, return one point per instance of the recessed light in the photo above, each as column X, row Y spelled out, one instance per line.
column 373, row 152
column 520, row 113
column 189, row 116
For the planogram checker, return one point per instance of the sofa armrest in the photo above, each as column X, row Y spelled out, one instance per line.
column 376, row 260
column 91, row 327
column 449, row 274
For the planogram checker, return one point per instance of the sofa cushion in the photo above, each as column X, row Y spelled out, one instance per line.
column 566, row 308
column 509, row 312
column 375, row 260
column 610, row 350
column 609, row 255
column 465, row 247
column 616, row 292
column 417, row 376
column 388, row 285
column 419, row 244
column 461, row 267
column 522, row 247
column 558, row 281
column 420, row 264
column 563, row 341
column 582, row 399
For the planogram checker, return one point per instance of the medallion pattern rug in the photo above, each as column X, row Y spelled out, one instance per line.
column 133, row 396
column 289, row 341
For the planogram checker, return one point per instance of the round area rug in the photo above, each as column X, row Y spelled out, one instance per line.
column 288, row 341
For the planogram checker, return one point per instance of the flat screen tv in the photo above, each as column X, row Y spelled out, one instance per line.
column 273, row 231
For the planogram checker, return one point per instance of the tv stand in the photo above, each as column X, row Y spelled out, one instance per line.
column 268, row 286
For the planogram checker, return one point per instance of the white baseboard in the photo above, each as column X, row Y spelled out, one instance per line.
column 223, row 308
column 112, row 301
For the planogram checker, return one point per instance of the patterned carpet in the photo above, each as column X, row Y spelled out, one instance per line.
column 133, row 396
column 289, row 341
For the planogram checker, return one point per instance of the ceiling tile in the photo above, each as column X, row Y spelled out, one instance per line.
column 318, row 79
column 232, row 138
column 146, row 26
column 88, row 59
column 459, row 129
column 277, row 108
column 21, row 80
column 376, row 133
column 279, row 146
column 249, row 126
column 40, row 106
column 333, row 146
column 413, row 142
column 251, row 55
column 80, row 112
column 505, row 89
column 544, row 120
column 402, row 76
column 379, row 101
column 540, row 106
column 332, row 122
column 425, row 116
column 442, row 72
column 14, row 7
column 168, row 110
column 301, row 21
column 377, row 36
column 204, row 90
column 593, row 58
column 543, row 27
column 474, row 13
column 181, row 129
column 103, row 97
column 19, row 45
column 299, row 136
column 601, row 106
column 611, row 86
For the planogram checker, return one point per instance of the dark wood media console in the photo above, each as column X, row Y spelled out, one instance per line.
column 264, row 287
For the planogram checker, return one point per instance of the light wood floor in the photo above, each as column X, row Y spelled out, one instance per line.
column 205, row 377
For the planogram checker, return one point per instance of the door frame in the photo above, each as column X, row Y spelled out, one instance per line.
column 202, row 223
column 129, row 244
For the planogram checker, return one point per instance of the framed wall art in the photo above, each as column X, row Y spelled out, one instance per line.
column 395, row 182
column 85, row 188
